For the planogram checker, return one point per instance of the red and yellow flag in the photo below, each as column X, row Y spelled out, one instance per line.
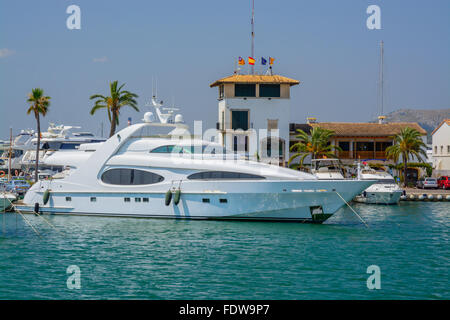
column 271, row 60
column 251, row 61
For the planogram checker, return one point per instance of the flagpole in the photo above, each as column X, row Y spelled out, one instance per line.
column 253, row 35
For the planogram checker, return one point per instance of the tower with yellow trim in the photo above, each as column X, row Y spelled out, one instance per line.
column 252, row 103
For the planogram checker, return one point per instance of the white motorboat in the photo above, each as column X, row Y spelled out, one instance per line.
column 141, row 173
column 327, row 169
column 383, row 191
column 6, row 198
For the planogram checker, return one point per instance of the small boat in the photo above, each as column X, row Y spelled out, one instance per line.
column 383, row 191
column 6, row 198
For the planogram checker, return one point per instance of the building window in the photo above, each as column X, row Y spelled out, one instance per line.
column 239, row 120
column 269, row 90
column 223, row 200
column 344, row 145
column 364, row 146
column 126, row 199
column 137, row 199
column 272, row 124
column 68, row 199
column 93, row 199
column 270, row 150
column 245, row 90
column 130, row 177
column 205, row 200
column 448, row 149
column 223, row 120
column 221, row 92
column 222, row 175
column 435, row 149
column 382, row 146
column 442, row 149
column 144, row 199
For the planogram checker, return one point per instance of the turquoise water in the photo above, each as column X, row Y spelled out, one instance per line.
column 167, row 259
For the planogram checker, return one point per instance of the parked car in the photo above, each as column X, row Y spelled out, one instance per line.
column 427, row 183
column 18, row 186
column 444, row 182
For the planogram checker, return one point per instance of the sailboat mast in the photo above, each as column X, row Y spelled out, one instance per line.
column 10, row 153
column 253, row 36
column 382, row 77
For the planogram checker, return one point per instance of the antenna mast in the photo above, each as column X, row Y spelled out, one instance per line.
column 253, row 35
column 382, row 76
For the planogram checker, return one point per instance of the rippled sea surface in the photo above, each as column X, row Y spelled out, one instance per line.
column 122, row 258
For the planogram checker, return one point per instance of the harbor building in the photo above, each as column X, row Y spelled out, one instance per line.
column 252, row 104
column 361, row 140
column 441, row 149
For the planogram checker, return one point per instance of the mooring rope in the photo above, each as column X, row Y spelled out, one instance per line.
column 29, row 223
column 40, row 216
column 352, row 209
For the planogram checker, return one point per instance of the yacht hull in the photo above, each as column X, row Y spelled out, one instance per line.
column 307, row 201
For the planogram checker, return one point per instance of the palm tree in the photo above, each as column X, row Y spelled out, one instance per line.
column 38, row 105
column 114, row 103
column 407, row 144
column 315, row 144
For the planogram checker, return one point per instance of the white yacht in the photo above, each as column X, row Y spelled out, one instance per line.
column 139, row 172
column 383, row 191
column 21, row 144
column 58, row 138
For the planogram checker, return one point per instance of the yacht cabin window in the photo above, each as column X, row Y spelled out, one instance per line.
column 130, row 177
column 222, row 175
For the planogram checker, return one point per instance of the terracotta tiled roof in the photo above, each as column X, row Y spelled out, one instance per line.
column 255, row 78
column 447, row 121
column 367, row 129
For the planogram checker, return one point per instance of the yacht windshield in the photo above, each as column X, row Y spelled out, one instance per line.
column 190, row 149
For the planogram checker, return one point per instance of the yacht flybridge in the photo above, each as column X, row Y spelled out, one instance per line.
column 140, row 172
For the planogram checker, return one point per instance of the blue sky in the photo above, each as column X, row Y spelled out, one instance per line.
column 189, row 44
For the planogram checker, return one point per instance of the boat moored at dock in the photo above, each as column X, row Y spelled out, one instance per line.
column 383, row 191
column 140, row 172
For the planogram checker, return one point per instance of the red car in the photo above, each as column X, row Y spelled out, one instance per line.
column 444, row 182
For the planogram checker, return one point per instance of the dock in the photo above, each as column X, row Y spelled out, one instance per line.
column 414, row 194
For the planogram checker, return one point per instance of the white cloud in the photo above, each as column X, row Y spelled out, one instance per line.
column 101, row 60
column 6, row 52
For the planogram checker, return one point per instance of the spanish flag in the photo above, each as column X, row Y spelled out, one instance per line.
column 271, row 60
column 251, row 61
